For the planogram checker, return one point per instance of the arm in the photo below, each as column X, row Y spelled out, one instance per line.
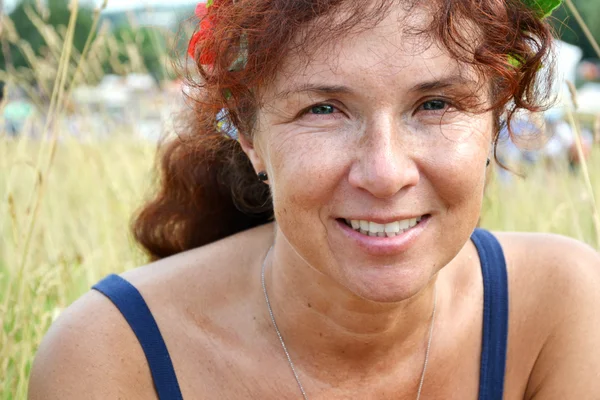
column 90, row 353
column 568, row 366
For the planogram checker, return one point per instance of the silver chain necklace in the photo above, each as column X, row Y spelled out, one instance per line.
column 287, row 354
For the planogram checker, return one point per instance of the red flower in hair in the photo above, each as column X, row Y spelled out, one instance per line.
column 207, row 56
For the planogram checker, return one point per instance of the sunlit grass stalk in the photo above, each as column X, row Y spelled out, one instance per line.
column 597, row 130
column 49, row 126
column 86, row 47
column 588, row 34
column 51, row 37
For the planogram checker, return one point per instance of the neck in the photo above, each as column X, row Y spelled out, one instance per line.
column 327, row 328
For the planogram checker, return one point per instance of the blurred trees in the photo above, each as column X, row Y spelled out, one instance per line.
column 31, row 19
column 147, row 43
column 38, row 32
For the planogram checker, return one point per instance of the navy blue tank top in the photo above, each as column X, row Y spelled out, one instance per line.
column 131, row 304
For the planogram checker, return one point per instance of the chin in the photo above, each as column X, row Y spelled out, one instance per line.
column 385, row 284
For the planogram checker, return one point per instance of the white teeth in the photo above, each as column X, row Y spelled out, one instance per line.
column 376, row 228
column 382, row 230
column 394, row 227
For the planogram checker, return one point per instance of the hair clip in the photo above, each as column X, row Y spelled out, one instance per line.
column 225, row 125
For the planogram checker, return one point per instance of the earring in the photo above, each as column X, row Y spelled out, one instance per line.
column 262, row 176
column 487, row 164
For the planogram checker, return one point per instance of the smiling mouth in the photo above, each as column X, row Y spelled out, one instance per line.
column 369, row 228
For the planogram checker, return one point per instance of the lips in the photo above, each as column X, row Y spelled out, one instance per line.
column 376, row 242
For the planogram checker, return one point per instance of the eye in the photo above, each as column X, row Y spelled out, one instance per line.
column 321, row 112
column 435, row 105
column 320, row 109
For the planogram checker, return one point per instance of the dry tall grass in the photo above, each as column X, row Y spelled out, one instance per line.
column 65, row 205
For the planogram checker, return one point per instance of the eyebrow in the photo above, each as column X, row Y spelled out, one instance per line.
column 437, row 84
column 314, row 88
column 443, row 83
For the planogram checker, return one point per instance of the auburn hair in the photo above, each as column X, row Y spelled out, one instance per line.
column 207, row 187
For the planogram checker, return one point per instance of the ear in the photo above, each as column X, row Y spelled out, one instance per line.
column 255, row 158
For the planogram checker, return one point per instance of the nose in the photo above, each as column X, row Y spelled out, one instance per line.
column 384, row 163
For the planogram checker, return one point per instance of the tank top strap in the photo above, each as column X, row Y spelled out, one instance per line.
column 132, row 305
column 495, row 315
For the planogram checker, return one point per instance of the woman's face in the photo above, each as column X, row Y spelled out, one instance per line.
column 375, row 163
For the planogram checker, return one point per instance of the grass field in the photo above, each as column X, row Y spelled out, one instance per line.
column 66, row 204
column 79, row 233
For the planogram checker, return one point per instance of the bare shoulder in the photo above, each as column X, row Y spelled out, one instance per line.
column 551, row 263
column 555, row 282
column 203, row 269
column 89, row 352
column 547, row 248
column 91, row 348
column 550, row 275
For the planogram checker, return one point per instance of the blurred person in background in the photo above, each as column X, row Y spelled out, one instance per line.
column 17, row 110
column 314, row 234
column 518, row 149
column 561, row 147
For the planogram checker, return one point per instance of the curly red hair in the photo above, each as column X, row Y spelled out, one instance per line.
column 208, row 189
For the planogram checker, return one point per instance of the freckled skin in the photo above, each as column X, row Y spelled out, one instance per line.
column 376, row 151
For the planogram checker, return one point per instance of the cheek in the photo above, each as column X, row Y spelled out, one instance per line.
column 457, row 170
column 306, row 169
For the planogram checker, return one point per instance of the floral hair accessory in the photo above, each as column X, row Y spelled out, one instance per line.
column 206, row 13
column 207, row 22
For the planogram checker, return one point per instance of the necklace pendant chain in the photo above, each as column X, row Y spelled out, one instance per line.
column 287, row 354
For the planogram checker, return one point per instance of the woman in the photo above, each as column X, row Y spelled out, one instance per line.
column 370, row 126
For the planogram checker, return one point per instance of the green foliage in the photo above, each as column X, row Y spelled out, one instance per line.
column 545, row 7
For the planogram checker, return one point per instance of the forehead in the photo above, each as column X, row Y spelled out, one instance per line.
column 397, row 52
